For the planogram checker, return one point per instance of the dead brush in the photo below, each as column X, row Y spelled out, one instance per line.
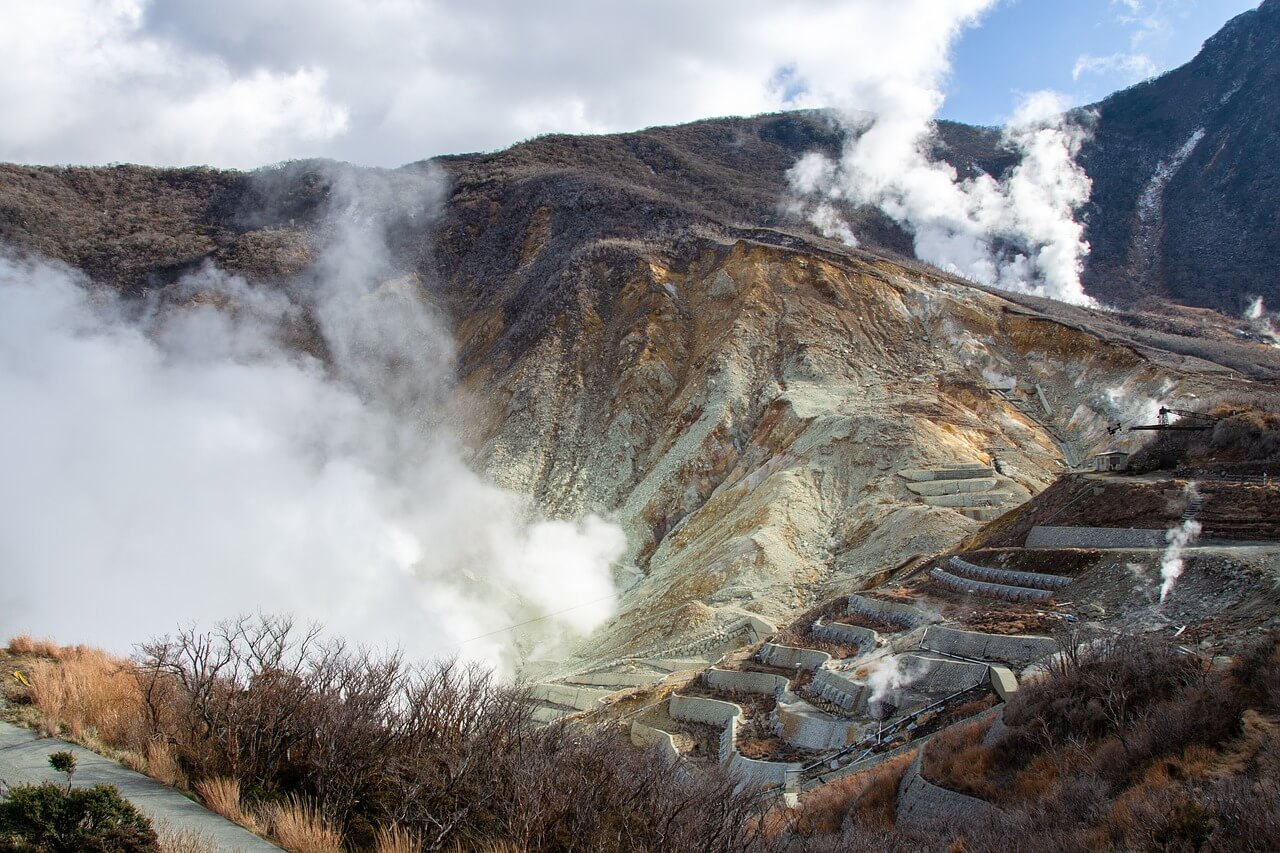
column 222, row 796
column 89, row 691
column 298, row 827
column 24, row 644
column 396, row 839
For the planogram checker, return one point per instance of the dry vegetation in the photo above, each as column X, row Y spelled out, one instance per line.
column 322, row 746
column 1127, row 744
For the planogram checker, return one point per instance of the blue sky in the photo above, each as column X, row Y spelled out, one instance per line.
column 1027, row 45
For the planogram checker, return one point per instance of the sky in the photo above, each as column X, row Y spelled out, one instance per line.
column 240, row 83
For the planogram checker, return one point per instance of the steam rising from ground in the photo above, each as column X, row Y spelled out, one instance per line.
column 1017, row 232
column 886, row 677
column 1178, row 537
column 189, row 461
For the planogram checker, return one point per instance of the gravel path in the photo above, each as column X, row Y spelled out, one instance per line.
column 24, row 759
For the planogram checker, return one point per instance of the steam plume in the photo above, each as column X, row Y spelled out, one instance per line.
column 189, row 461
column 1017, row 232
column 1178, row 538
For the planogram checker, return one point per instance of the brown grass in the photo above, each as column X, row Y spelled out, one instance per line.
column 23, row 644
column 396, row 839
column 90, row 694
column 179, row 840
column 221, row 795
column 162, row 763
column 870, row 797
column 299, row 828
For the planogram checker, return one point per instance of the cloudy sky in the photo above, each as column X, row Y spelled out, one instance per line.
column 246, row 82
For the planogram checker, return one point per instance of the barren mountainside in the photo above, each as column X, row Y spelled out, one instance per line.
column 643, row 332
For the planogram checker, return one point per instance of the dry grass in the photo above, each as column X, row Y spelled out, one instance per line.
column 221, row 795
column 178, row 840
column 24, row 644
column 90, row 694
column 396, row 839
column 162, row 763
column 298, row 827
column 871, row 798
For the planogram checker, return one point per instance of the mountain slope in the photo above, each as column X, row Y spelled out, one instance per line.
column 1186, row 177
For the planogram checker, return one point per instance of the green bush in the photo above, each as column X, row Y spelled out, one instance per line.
column 46, row 817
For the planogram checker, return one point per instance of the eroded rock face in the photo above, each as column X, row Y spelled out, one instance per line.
column 743, row 409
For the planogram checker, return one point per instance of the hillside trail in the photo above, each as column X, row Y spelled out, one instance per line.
column 24, row 760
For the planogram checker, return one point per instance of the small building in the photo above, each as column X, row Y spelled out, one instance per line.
column 1112, row 460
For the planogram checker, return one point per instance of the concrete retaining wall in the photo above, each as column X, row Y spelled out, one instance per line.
column 990, row 590
column 745, row 682
column 614, row 679
column 803, row 725
column 791, row 657
column 1017, row 650
column 762, row 773
column 700, row 710
column 647, row 737
column 1094, row 537
column 888, row 611
column 942, row 676
column 954, row 471
column 839, row 632
column 953, row 487
column 582, row 698
column 1008, row 577
column 932, row 809
column 837, row 688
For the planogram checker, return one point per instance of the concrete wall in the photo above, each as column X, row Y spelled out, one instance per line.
column 745, row 682
column 1007, row 576
column 803, row 725
column 614, row 679
column 700, row 710
column 836, row 687
column 647, row 737
column 792, row 657
column 953, row 487
column 582, row 698
column 839, row 632
column 932, row 809
column 888, row 611
column 955, row 471
column 942, row 676
column 762, row 773
column 989, row 590
column 1094, row 537
column 1017, row 649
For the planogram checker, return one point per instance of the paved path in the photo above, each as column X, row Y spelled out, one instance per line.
column 24, row 759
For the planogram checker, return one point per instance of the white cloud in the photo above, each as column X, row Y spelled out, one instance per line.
column 1131, row 66
column 242, row 82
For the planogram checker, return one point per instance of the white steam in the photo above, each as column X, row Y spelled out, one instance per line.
column 887, row 677
column 1178, row 538
column 190, row 461
column 1262, row 325
column 1017, row 232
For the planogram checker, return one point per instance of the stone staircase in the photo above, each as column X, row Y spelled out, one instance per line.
column 973, row 489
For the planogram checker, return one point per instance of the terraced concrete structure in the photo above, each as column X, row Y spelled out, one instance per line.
column 1003, row 584
column 973, row 489
column 1017, row 650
